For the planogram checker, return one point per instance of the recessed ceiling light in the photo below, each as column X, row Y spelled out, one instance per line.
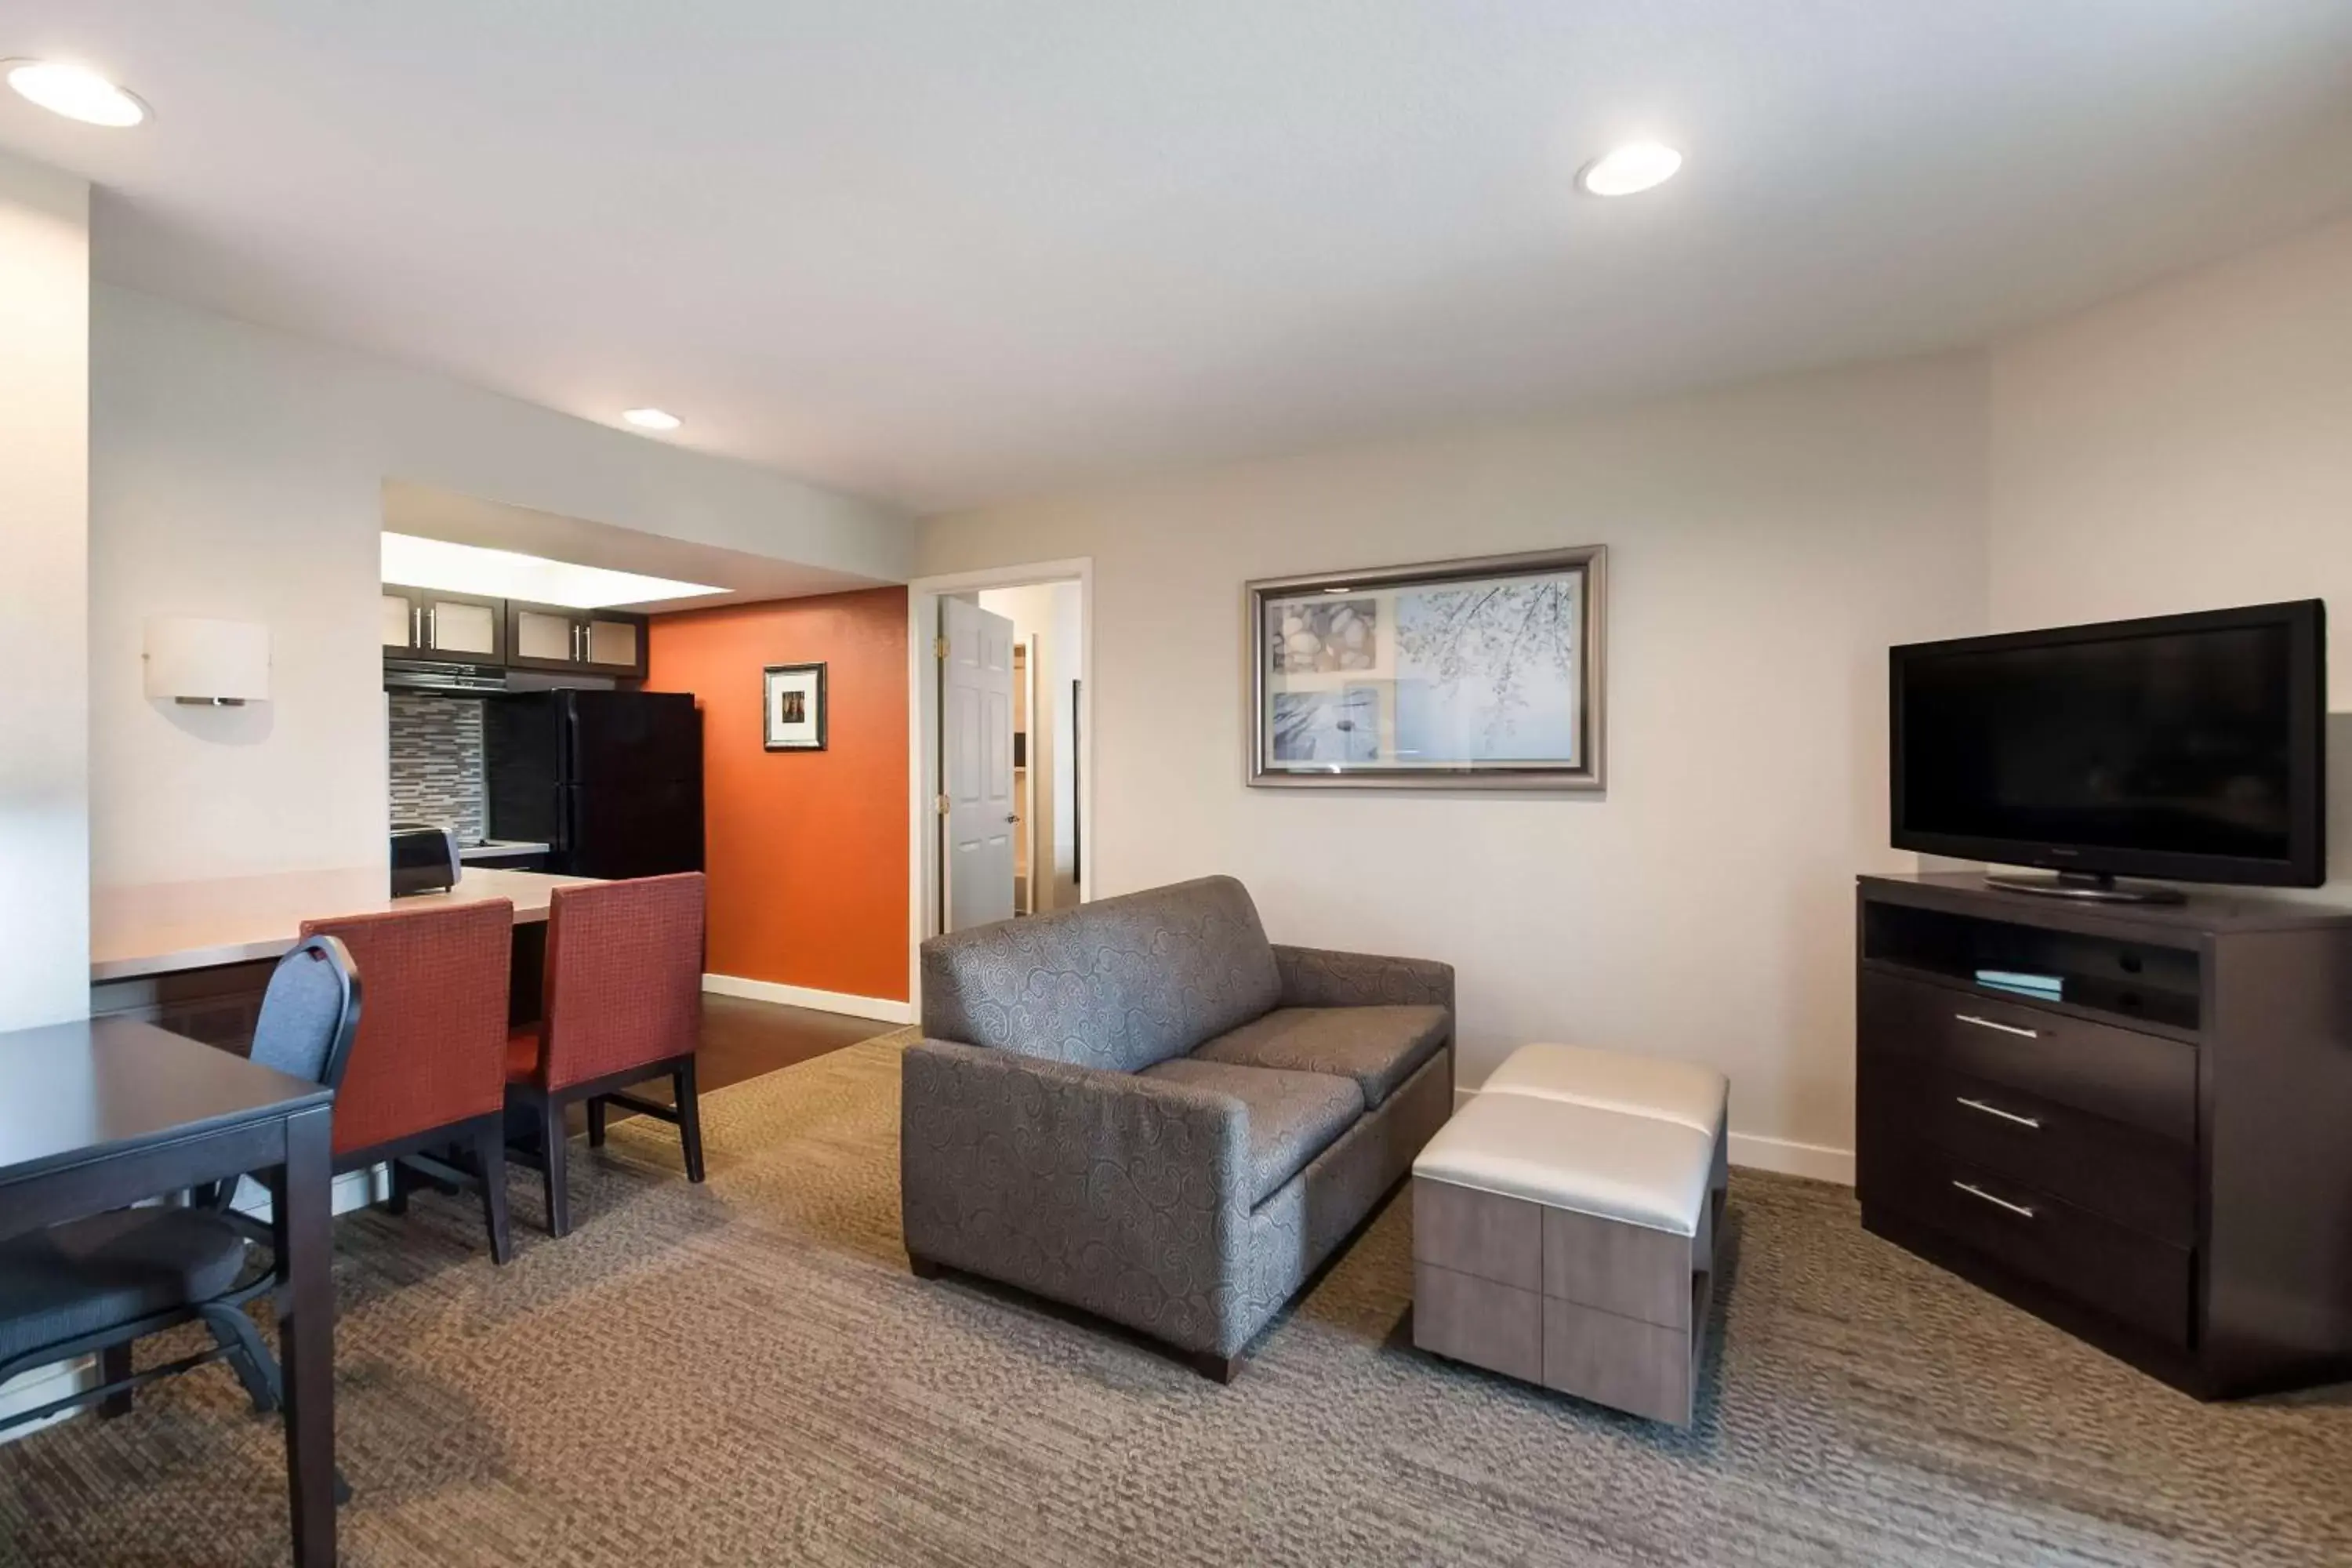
column 1635, row 166
column 651, row 419
column 417, row 563
column 75, row 91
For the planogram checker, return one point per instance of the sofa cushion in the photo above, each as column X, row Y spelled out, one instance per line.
column 1378, row 1047
column 1117, row 984
column 1293, row 1116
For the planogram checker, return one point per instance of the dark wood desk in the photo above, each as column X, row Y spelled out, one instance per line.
column 99, row 1114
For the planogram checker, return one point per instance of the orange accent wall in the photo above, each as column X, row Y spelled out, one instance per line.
column 806, row 851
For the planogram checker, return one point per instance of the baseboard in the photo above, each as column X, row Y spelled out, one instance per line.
column 1817, row 1161
column 352, row 1191
column 39, row 1386
column 880, row 1008
column 1782, row 1156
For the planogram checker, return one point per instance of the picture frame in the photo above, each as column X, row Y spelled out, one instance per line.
column 1481, row 673
column 793, row 707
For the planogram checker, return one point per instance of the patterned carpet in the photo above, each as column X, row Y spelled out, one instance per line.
column 745, row 1374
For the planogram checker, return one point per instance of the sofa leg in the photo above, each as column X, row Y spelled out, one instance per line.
column 923, row 1268
column 1218, row 1368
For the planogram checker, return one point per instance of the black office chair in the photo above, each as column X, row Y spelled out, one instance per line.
column 95, row 1285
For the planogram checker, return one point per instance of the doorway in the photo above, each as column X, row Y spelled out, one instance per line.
column 999, row 796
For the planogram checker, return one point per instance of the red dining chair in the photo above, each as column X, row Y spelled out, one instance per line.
column 623, row 1004
column 427, row 1072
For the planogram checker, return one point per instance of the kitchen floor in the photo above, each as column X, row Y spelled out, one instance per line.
column 742, row 1040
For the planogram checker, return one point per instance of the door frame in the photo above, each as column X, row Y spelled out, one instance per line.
column 923, row 595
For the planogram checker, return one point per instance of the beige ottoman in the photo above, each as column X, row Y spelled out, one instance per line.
column 1564, row 1225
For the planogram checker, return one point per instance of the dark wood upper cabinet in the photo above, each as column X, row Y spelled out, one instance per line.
column 580, row 642
column 425, row 624
column 443, row 627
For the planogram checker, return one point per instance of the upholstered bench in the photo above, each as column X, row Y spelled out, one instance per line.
column 1564, row 1225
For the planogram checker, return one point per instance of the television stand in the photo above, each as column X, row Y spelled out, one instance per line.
column 2156, row 1157
column 2090, row 886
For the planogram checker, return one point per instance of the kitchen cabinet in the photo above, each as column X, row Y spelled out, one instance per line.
column 575, row 642
column 451, row 628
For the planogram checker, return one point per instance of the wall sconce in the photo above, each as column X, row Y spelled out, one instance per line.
column 218, row 663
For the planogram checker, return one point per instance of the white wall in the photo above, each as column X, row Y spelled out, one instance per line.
column 2188, row 447
column 1050, row 612
column 237, row 472
column 1766, row 546
column 44, row 620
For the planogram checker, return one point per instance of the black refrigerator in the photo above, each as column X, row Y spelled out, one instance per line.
column 610, row 780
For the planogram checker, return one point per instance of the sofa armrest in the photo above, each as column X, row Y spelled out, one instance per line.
column 1123, row 1194
column 1320, row 977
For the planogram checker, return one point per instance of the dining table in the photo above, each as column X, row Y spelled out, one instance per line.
column 100, row 1113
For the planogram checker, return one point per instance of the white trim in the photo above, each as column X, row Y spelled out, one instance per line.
column 923, row 595
column 1025, row 693
column 1783, row 1156
column 1789, row 1158
column 39, row 1386
column 350, row 1192
column 881, row 1009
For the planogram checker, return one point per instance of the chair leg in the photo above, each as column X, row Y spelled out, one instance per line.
column 396, row 1201
column 595, row 1121
column 247, row 1356
column 490, row 1154
column 113, row 1366
column 559, row 1196
column 690, row 1117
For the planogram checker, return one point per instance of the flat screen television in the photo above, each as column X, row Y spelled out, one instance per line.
column 2184, row 747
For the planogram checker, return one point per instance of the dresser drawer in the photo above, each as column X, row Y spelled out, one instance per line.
column 2145, row 1081
column 2116, row 1171
column 2133, row 1279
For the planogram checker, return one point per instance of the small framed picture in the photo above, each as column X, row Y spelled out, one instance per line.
column 794, row 707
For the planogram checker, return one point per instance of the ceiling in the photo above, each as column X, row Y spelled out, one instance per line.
column 946, row 251
column 431, row 513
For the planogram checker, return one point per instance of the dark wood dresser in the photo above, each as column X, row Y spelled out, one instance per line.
column 2159, row 1163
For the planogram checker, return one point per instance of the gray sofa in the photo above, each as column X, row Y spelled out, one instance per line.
column 1142, row 1107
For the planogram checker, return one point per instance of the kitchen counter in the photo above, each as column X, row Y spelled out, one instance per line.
column 497, row 849
column 169, row 926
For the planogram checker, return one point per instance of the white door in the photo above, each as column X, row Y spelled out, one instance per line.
column 976, row 764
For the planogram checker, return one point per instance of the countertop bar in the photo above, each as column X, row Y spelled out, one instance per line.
column 167, row 927
column 492, row 849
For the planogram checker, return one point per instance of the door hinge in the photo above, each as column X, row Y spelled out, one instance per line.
column 938, row 648
column 940, row 804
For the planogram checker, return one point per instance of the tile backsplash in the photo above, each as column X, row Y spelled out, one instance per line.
column 436, row 762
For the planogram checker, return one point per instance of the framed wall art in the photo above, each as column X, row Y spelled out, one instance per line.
column 794, row 707
column 1473, row 674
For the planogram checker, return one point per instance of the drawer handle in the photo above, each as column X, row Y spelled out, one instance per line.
column 1997, row 1110
column 2004, row 1028
column 2020, row 1210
